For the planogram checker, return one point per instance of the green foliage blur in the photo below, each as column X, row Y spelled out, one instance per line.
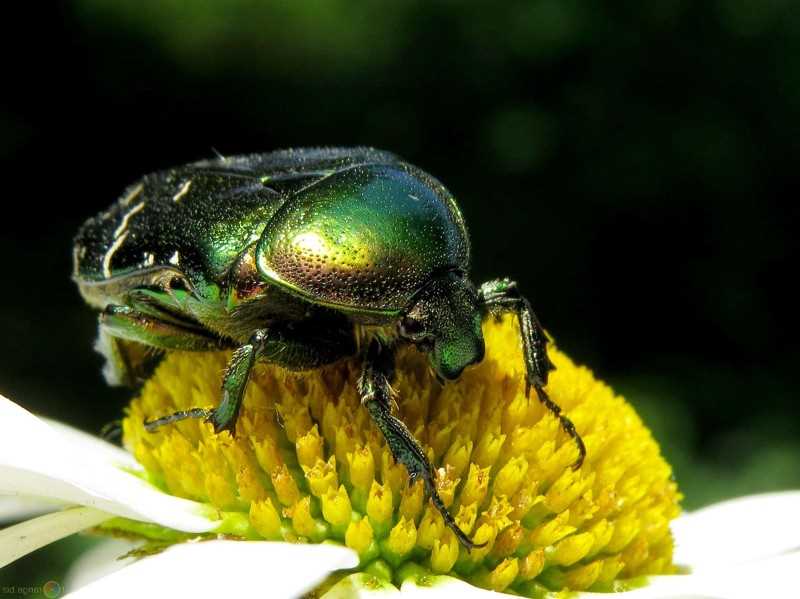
column 632, row 164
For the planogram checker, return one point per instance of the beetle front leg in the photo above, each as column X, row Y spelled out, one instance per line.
column 502, row 295
column 377, row 394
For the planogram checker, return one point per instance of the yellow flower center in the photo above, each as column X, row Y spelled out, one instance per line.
column 307, row 465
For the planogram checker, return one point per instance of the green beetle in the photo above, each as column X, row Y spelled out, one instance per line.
column 291, row 257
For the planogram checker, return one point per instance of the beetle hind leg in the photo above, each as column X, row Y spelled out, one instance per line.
column 123, row 322
column 376, row 394
column 502, row 295
column 125, row 331
column 131, row 341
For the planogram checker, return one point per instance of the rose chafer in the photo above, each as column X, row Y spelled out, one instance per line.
column 300, row 258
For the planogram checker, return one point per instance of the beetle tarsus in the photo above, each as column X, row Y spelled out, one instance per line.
column 263, row 344
column 566, row 424
column 451, row 523
column 152, row 426
column 111, row 430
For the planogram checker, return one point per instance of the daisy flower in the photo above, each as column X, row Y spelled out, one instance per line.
column 306, row 497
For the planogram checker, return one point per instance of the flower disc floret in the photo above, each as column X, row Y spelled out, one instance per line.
column 306, row 464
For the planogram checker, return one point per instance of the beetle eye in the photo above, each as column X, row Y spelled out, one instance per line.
column 411, row 328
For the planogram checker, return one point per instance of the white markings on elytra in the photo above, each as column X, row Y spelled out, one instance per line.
column 76, row 250
column 149, row 259
column 182, row 191
column 78, row 254
column 110, row 254
column 121, row 232
column 123, row 225
column 126, row 201
column 175, row 259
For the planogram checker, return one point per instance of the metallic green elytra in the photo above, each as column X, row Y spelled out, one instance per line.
column 293, row 257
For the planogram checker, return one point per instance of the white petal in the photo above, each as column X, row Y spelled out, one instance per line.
column 90, row 444
column 38, row 460
column 22, row 538
column 738, row 531
column 659, row 587
column 224, row 569
column 774, row 577
column 361, row 586
column 664, row 587
column 446, row 586
column 101, row 560
column 14, row 508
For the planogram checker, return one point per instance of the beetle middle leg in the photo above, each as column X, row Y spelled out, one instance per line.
column 502, row 295
column 300, row 347
column 376, row 394
column 234, row 383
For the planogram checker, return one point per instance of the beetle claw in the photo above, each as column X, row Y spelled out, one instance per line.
column 220, row 427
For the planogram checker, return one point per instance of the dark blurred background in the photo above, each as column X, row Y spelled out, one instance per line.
column 632, row 164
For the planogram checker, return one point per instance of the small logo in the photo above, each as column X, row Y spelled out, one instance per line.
column 51, row 589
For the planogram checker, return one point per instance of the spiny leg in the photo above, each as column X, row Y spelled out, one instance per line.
column 376, row 395
column 149, row 318
column 152, row 426
column 306, row 345
column 234, row 383
column 126, row 338
column 501, row 295
column 130, row 339
column 124, row 322
column 111, row 431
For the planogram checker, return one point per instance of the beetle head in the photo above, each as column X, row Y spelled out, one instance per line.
column 444, row 321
